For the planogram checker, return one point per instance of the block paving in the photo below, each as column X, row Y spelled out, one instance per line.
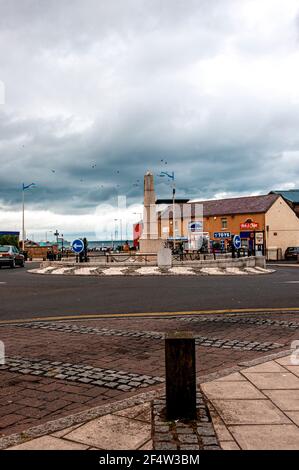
column 32, row 397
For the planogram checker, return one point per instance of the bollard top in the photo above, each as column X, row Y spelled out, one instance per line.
column 179, row 335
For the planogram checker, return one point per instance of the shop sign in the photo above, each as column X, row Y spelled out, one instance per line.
column 222, row 235
column 249, row 226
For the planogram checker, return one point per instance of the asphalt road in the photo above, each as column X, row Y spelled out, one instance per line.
column 25, row 295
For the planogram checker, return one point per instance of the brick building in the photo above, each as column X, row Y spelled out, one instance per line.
column 267, row 224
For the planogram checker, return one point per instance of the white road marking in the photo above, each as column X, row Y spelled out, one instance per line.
column 292, row 282
column 1, row 283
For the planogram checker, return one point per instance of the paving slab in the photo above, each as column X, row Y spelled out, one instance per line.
column 229, row 445
column 235, row 377
column 270, row 366
column 49, row 443
column 229, row 390
column 249, row 412
column 294, row 416
column 286, row 400
column 273, row 380
column 266, row 437
column 293, row 369
column 112, row 432
column 255, row 423
column 140, row 412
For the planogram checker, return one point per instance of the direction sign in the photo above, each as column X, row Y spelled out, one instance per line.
column 222, row 234
column 78, row 246
column 195, row 226
column 237, row 242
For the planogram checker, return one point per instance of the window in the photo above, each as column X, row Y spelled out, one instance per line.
column 223, row 222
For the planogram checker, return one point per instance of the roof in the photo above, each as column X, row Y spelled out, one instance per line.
column 291, row 195
column 169, row 201
column 238, row 205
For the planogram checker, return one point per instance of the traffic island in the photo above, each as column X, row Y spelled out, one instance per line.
column 230, row 267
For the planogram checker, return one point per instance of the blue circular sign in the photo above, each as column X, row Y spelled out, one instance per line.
column 237, row 242
column 78, row 246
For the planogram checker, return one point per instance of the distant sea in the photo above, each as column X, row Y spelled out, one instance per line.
column 102, row 243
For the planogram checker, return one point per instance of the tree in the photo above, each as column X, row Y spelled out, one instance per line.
column 9, row 240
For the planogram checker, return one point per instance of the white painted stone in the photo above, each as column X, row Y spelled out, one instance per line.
column 252, row 271
column 235, row 271
column 146, row 270
column 85, row 271
column 212, row 271
column 46, row 270
column 60, row 270
column 164, row 258
column 113, row 271
column 182, row 271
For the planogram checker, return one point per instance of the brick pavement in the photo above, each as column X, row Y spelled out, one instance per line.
column 27, row 400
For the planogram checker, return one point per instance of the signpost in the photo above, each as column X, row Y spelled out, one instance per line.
column 237, row 242
column 78, row 246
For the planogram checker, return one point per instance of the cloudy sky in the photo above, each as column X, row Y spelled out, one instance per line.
column 97, row 92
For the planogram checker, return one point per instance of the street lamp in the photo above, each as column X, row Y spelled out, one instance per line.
column 23, row 212
column 115, row 229
column 171, row 177
column 56, row 234
column 48, row 231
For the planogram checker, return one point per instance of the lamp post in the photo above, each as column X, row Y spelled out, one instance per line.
column 171, row 177
column 56, row 234
column 115, row 229
column 23, row 212
column 48, row 231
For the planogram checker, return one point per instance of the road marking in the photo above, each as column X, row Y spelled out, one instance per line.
column 2, row 283
column 291, row 282
column 150, row 314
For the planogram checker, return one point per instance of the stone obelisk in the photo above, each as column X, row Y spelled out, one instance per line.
column 149, row 241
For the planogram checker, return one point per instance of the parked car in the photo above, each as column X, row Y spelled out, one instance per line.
column 292, row 252
column 10, row 256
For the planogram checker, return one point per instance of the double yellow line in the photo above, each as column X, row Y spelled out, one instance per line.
column 150, row 314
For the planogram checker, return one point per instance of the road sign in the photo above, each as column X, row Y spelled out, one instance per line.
column 222, row 234
column 237, row 242
column 78, row 246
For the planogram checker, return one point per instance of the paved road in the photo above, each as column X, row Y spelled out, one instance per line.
column 25, row 295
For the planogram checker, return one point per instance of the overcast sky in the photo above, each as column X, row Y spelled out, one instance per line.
column 97, row 92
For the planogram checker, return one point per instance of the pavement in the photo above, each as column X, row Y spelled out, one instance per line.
column 254, row 408
column 56, row 368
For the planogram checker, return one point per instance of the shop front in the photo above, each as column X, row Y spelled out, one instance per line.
column 252, row 238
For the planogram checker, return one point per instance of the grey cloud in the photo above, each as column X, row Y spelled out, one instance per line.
column 125, row 84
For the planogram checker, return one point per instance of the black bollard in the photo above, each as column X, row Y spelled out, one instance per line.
column 180, row 375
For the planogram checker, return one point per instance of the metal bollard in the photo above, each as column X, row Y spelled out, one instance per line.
column 180, row 375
